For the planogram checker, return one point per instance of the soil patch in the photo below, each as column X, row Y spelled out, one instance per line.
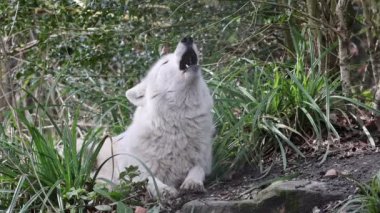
column 360, row 166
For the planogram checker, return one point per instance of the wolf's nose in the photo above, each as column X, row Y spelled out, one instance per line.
column 187, row 40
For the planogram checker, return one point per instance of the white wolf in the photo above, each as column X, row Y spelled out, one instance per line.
column 172, row 126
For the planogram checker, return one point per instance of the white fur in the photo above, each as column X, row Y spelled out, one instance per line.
column 171, row 130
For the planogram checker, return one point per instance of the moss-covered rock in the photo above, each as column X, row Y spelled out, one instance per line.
column 290, row 196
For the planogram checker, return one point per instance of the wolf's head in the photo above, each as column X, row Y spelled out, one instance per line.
column 173, row 78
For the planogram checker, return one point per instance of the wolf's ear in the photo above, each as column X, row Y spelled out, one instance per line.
column 164, row 49
column 136, row 94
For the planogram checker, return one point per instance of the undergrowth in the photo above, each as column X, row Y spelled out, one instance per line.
column 45, row 171
column 264, row 108
column 87, row 57
column 367, row 200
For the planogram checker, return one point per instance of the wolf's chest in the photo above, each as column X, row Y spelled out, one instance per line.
column 171, row 156
column 174, row 142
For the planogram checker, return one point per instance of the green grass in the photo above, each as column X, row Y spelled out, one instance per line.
column 264, row 108
column 368, row 199
column 261, row 109
column 37, row 175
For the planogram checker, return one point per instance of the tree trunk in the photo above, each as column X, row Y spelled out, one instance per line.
column 370, row 41
column 344, row 41
column 287, row 34
column 371, row 16
column 4, row 71
column 315, row 32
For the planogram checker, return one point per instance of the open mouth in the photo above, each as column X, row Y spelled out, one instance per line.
column 189, row 58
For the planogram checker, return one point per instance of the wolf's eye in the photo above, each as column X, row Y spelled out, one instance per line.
column 165, row 62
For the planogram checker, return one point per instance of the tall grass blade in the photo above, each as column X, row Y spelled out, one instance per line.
column 16, row 194
column 25, row 207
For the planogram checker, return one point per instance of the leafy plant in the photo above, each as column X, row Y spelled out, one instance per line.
column 368, row 199
column 269, row 108
column 128, row 192
column 58, row 178
column 265, row 108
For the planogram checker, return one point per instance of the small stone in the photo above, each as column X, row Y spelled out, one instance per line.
column 331, row 173
column 140, row 209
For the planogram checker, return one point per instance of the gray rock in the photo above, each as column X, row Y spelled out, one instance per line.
column 218, row 206
column 290, row 196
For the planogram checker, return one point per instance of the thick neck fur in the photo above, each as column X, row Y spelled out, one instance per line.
column 187, row 102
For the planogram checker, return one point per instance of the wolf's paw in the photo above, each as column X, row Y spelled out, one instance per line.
column 193, row 186
column 166, row 192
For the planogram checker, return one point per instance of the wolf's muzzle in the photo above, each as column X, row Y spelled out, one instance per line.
column 189, row 57
column 187, row 41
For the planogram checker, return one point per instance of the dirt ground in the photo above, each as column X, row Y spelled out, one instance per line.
column 346, row 165
column 351, row 159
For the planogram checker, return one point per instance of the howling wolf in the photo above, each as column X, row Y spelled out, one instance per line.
column 170, row 136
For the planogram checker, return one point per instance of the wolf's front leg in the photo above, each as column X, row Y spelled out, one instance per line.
column 164, row 190
column 194, row 180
